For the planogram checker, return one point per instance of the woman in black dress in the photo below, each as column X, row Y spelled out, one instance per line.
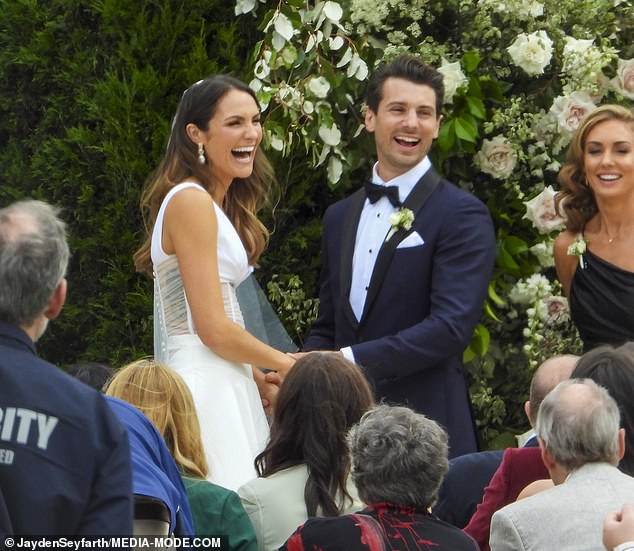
column 594, row 256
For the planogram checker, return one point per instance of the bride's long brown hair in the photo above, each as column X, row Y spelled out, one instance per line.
column 245, row 196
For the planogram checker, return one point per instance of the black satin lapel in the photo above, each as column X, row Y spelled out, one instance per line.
column 415, row 201
column 348, row 238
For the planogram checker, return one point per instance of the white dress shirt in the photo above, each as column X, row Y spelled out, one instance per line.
column 374, row 225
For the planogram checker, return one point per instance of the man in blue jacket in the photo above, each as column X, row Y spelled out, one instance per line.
column 407, row 259
column 64, row 457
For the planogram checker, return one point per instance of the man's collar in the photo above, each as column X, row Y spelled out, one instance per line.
column 15, row 337
column 405, row 181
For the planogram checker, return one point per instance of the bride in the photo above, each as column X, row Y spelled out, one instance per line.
column 203, row 239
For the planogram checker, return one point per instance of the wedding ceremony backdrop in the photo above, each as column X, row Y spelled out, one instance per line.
column 88, row 90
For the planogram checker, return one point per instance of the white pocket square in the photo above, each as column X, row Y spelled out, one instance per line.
column 412, row 240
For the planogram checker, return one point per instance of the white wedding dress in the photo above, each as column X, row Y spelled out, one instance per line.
column 233, row 424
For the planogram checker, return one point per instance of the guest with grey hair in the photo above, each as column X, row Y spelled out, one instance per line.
column 65, row 463
column 578, row 426
column 399, row 458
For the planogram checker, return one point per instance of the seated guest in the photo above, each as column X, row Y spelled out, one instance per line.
column 94, row 374
column 613, row 369
column 463, row 487
column 582, row 443
column 618, row 529
column 519, row 466
column 399, row 458
column 304, row 468
column 162, row 395
column 64, row 457
column 154, row 473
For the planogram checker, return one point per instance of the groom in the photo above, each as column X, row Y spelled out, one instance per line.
column 403, row 301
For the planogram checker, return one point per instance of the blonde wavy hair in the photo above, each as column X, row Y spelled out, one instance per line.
column 162, row 395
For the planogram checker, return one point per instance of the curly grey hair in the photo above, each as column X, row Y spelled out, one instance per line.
column 33, row 259
column 578, row 423
column 399, row 456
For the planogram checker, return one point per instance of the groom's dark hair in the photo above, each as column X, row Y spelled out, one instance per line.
column 409, row 68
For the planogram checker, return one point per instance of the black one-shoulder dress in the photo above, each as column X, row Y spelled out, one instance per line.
column 602, row 302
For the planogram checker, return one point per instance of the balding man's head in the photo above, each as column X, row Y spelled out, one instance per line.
column 578, row 423
column 547, row 376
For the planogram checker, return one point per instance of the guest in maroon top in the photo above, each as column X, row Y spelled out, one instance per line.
column 399, row 458
column 519, row 466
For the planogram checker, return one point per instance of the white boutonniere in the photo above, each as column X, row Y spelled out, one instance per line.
column 402, row 218
column 577, row 248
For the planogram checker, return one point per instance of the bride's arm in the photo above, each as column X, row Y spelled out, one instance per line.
column 190, row 231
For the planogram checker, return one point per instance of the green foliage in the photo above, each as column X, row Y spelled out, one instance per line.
column 86, row 93
column 517, row 74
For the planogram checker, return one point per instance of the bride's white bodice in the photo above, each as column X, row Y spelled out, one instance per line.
column 172, row 314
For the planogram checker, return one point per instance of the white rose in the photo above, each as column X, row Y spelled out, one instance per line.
column 319, row 86
column 623, row 82
column 540, row 210
column 532, row 52
column 453, row 78
column 330, row 136
column 570, row 110
column 497, row 157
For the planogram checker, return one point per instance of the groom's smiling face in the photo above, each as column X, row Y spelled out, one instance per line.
column 404, row 125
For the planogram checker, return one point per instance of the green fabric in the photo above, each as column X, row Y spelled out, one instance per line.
column 218, row 511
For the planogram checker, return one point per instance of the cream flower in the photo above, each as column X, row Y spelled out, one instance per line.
column 402, row 218
column 570, row 110
column 453, row 78
column 623, row 82
column 532, row 52
column 540, row 210
column 554, row 310
column 497, row 157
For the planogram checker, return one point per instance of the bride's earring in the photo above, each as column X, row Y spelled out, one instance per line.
column 201, row 154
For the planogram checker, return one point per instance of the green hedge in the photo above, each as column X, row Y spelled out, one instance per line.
column 86, row 95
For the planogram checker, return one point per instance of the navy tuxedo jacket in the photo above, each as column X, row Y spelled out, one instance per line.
column 422, row 305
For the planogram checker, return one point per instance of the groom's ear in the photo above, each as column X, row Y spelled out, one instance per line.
column 370, row 119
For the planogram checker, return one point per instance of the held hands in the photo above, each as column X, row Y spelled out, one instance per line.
column 618, row 527
column 269, row 387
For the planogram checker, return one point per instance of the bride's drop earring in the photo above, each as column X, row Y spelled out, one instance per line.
column 201, row 154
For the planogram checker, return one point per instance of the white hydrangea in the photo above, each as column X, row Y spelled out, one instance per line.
column 531, row 52
column 453, row 78
column 530, row 290
column 582, row 61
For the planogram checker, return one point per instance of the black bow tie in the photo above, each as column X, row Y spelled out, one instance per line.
column 374, row 192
